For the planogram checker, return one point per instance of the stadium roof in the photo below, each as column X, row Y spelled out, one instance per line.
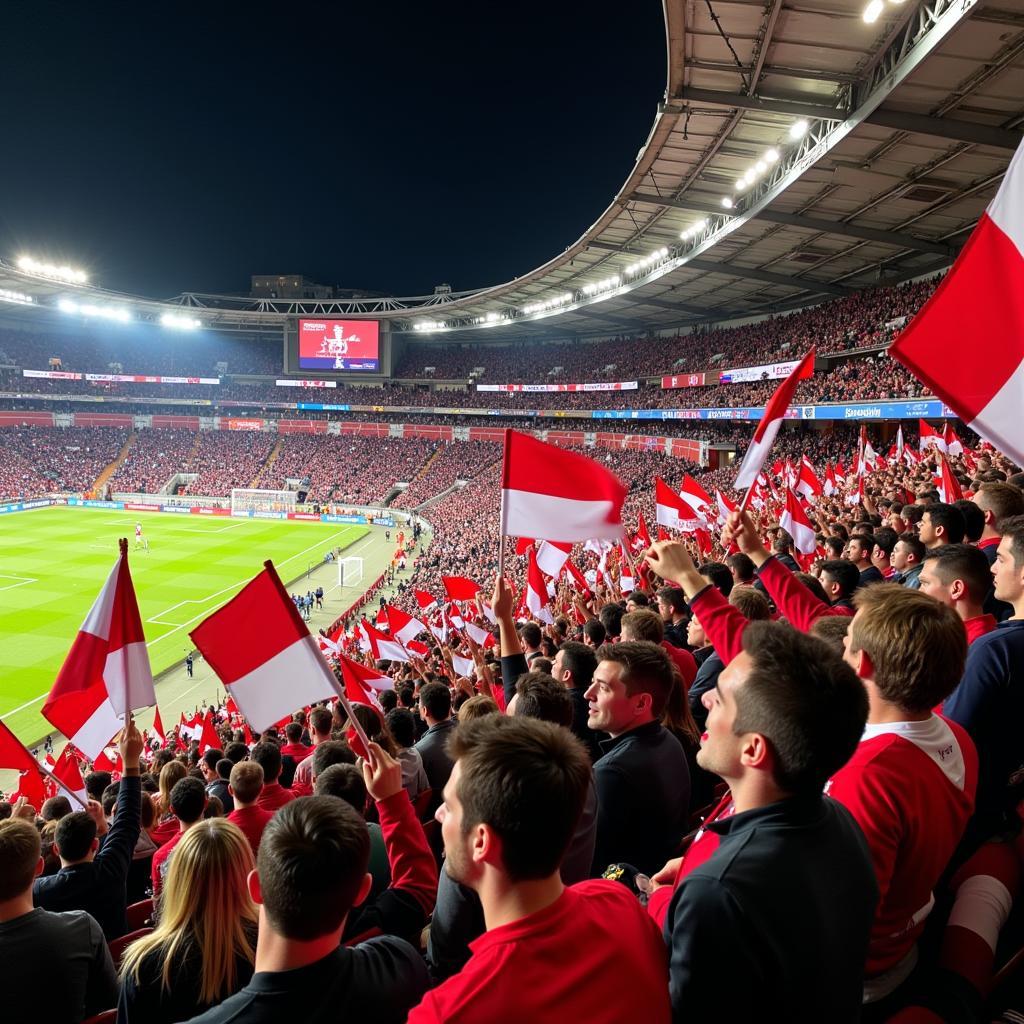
column 849, row 153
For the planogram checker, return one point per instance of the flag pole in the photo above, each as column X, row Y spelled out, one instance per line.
column 501, row 509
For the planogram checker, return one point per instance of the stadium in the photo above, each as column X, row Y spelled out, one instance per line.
column 772, row 355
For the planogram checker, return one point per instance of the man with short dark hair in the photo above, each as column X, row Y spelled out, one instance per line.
column 907, row 559
column 594, row 633
column 642, row 778
column 267, row 755
column 436, row 711
column 320, row 722
column 958, row 575
column 188, row 801
column 573, row 667
column 293, row 753
column 56, row 966
column 219, row 786
column 310, row 874
column 941, row 524
column 858, row 551
column 532, row 636
column 550, row 952
column 93, row 877
column 742, row 568
column 997, row 501
column 672, row 609
column 245, row 783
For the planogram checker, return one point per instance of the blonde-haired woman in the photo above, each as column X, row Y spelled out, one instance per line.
column 204, row 946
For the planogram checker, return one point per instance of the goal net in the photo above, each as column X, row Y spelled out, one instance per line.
column 350, row 571
column 245, row 499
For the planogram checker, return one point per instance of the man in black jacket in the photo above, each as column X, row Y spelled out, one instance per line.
column 642, row 778
column 92, row 876
column 777, row 910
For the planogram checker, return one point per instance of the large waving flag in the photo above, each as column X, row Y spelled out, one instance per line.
column 402, row 625
column 69, row 777
column 552, row 556
column 537, row 591
column 967, row 342
column 263, row 652
column 795, row 522
column 460, row 588
column 695, row 496
column 768, row 428
column 552, row 494
column 384, row 646
column 808, row 483
column 106, row 672
column 14, row 755
column 930, row 437
column 672, row 511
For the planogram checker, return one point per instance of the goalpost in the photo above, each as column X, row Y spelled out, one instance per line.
column 248, row 499
column 350, row 571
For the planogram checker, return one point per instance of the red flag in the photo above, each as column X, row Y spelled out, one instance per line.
column 459, row 588
column 694, row 495
column 263, row 653
column 106, row 672
column 967, row 342
column 537, row 591
column 553, row 494
column 14, row 755
column 953, row 444
column 402, row 625
column 552, row 556
column 208, row 739
column 795, row 522
column 929, row 437
column 67, row 772
column 158, row 728
column 382, row 646
column 949, row 486
column 523, row 544
column 808, row 483
column 672, row 510
column 427, row 602
column 774, row 414
column 642, row 531
column 359, row 684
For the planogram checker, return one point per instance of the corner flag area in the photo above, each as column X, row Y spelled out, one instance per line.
column 53, row 562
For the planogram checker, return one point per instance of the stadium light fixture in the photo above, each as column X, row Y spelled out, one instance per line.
column 18, row 298
column 87, row 309
column 727, row 202
column 179, row 322
column 873, row 11
column 54, row 273
column 798, row 129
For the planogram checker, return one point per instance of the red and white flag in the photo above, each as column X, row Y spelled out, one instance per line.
column 900, row 446
column 106, row 672
column 954, row 446
column 929, row 437
column 462, row 666
column 69, row 776
column 725, row 506
column 807, row 482
column 552, row 494
column 967, row 342
column 672, row 511
column 552, row 556
column 642, row 533
column 14, row 755
column 383, row 646
column 537, row 591
column 695, row 496
column 158, row 728
column 768, row 428
column 427, row 602
column 947, row 484
column 829, row 487
column 403, row 626
column 263, row 652
column 367, row 677
column 795, row 522
column 460, row 588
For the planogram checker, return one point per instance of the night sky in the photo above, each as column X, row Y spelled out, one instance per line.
column 179, row 146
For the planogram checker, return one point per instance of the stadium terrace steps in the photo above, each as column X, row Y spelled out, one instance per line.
column 101, row 481
column 435, row 498
column 271, row 459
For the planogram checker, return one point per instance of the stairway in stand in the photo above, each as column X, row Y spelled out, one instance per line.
column 271, row 459
column 101, row 481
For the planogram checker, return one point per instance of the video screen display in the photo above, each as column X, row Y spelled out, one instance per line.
column 339, row 345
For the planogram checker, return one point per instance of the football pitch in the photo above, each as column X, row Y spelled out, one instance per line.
column 53, row 562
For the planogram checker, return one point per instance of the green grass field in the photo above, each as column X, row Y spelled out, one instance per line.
column 53, row 562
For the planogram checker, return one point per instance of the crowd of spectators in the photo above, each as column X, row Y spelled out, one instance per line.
column 153, row 458
column 37, row 461
column 226, row 459
column 453, row 460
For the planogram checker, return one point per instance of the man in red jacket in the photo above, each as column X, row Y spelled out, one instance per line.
column 267, row 754
column 586, row 952
column 245, row 786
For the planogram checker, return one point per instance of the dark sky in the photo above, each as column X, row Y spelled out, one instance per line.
column 182, row 146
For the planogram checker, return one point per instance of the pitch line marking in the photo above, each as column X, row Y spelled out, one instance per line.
column 22, row 581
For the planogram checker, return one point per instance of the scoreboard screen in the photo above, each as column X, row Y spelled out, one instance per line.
column 339, row 345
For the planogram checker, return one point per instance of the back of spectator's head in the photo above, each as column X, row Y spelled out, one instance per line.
column 161, row 757
column 5, row 810
column 999, row 501
column 210, row 759
column 541, row 696
column 344, row 781
column 521, row 781
column 952, row 564
column 320, row 720
column 236, row 752
column 388, row 700
column 402, row 726
column 717, row 573
column 832, row 629
column 742, row 567
column 407, row 696
column 842, row 573
column 436, row 701
column 911, row 647
column 594, row 631
column 95, row 783
column 169, row 775
column 531, row 635
column 246, row 782
column 20, row 857
column 782, row 544
column 109, row 798
column 293, row 732
column 55, row 808
column 320, row 838
column 267, row 755
column 640, row 599
column 835, row 546
column 478, row 706
column 751, row 602
column 813, row 584
column 974, row 519
column 188, row 800
column 223, row 767
column 331, row 752
column 795, row 691
column 75, row 837
column 643, row 624
column 611, row 618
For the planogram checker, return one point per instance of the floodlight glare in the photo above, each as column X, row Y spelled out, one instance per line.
column 39, row 269
column 179, row 322
column 798, row 129
column 727, row 202
column 872, row 11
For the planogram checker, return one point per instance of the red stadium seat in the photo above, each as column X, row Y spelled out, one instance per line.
column 106, row 1017
column 139, row 914
column 118, row 946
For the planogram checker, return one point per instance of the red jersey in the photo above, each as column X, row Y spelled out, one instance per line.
column 274, row 795
column 158, row 868
column 910, row 786
column 252, row 820
column 594, row 955
column 979, row 626
column 296, row 751
column 684, row 661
